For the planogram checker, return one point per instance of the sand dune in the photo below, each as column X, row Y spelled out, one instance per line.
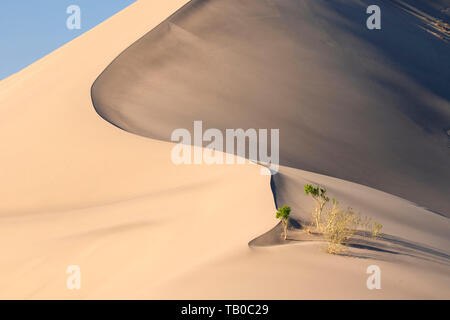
column 77, row 190
column 412, row 254
column 366, row 106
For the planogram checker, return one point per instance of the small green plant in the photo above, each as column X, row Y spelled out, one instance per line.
column 283, row 215
column 319, row 195
column 340, row 225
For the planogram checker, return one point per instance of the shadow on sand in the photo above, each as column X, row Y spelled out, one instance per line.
column 362, row 245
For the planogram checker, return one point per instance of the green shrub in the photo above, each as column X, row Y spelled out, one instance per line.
column 283, row 215
column 321, row 199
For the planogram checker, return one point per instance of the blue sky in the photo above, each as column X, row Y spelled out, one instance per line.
column 30, row 29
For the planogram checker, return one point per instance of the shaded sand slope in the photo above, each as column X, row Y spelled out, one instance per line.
column 76, row 190
column 400, row 218
column 366, row 106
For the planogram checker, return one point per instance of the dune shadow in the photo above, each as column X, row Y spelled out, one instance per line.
column 362, row 245
column 387, row 244
column 368, row 247
column 273, row 187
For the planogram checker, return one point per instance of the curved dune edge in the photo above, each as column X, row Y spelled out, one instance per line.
column 80, row 192
column 371, row 107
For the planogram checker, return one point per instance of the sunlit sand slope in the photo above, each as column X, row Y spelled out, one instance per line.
column 76, row 190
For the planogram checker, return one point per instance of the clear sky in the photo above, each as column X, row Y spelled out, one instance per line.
column 30, row 29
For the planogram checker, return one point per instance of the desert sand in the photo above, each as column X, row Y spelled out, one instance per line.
column 367, row 106
column 78, row 190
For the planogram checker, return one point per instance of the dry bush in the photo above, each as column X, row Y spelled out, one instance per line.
column 340, row 225
column 336, row 224
column 308, row 229
column 376, row 229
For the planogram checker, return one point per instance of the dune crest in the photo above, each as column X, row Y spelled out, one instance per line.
column 366, row 106
column 77, row 190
